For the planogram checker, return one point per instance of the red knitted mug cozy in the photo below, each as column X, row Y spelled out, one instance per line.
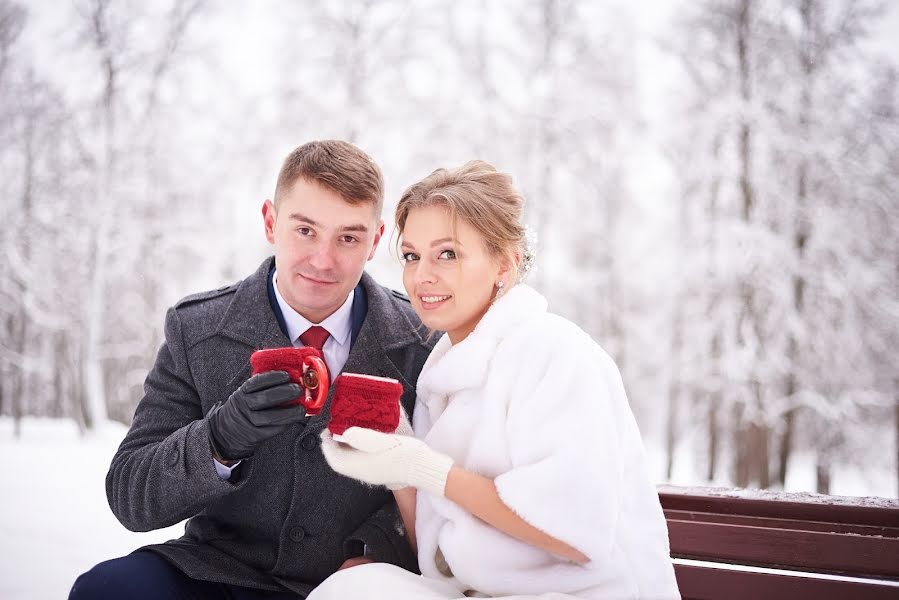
column 284, row 359
column 365, row 401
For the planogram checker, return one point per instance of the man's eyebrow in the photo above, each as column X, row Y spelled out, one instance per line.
column 361, row 227
column 301, row 217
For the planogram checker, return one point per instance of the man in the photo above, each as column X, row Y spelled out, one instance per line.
column 268, row 517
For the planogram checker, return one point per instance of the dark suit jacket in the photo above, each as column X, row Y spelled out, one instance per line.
column 287, row 520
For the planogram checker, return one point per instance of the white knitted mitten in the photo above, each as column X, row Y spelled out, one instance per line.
column 404, row 427
column 387, row 459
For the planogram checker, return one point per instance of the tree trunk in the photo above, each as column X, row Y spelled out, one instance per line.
column 741, row 469
column 822, row 476
column 800, row 236
column 714, row 402
column 716, row 397
column 760, row 455
column 675, row 388
column 785, row 448
column 674, row 393
column 20, row 324
column 671, row 432
column 59, row 370
column 17, row 372
column 17, row 386
column 4, row 369
column 547, row 138
column 94, row 394
column 746, row 439
column 752, row 456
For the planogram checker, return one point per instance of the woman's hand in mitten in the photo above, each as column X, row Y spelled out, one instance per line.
column 387, row 459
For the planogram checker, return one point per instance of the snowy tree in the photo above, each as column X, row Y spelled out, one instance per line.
column 353, row 57
column 767, row 306
column 728, row 348
column 768, row 79
column 35, row 158
column 80, row 218
column 546, row 92
column 134, row 51
column 12, row 18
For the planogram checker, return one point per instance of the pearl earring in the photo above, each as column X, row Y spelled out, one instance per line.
column 499, row 291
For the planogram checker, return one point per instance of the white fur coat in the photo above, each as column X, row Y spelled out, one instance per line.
column 530, row 400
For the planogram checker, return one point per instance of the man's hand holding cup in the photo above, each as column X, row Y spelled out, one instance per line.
column 288, row 386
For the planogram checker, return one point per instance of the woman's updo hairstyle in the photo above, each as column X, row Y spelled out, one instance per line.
column 484, row 198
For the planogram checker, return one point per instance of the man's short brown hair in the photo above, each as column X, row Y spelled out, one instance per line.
column 337, row 165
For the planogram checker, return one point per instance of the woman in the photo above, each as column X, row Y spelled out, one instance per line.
column 526, row 476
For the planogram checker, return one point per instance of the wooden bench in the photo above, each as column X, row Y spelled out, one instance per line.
column 741, row 544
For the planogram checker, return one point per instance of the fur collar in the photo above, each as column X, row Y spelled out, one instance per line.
column 450, row 369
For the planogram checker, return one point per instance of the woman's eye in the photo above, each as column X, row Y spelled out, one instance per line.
column 409, row 256
column 447, row 255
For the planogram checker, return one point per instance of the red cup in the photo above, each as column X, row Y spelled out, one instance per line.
column 305, row 366
column 365, row 401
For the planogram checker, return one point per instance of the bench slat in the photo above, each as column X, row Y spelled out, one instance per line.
column 877, row 512
column 772, row 523
column 824, row 552
column 711, row 583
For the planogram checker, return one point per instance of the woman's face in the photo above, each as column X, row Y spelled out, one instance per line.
column 449, row 273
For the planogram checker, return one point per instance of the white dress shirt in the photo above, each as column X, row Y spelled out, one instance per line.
column 338, row 325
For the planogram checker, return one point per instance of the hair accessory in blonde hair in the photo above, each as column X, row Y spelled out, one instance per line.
column 528, row 253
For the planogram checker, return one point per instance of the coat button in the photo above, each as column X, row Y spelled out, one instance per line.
column 310, row 442
column 297, row 534
column 176, row 455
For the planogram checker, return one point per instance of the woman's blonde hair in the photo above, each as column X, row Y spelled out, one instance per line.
column 481, row 196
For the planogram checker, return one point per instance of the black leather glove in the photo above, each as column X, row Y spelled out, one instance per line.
column 254, row 413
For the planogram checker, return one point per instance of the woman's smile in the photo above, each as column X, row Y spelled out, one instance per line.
column 433, row 301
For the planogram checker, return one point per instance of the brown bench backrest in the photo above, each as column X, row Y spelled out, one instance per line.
column 750, row 544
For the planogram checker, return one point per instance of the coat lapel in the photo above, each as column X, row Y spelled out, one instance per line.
column 250, row 319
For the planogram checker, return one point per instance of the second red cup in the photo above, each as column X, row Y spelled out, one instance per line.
column 365, row 401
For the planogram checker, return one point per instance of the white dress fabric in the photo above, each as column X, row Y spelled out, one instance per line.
column 383, row 581
column 530, row 400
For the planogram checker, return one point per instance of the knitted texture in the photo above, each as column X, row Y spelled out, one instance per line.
column 387, row 459
column 365, row 401
column 284, row 359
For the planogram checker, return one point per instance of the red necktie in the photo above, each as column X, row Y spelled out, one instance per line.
column 315, row 337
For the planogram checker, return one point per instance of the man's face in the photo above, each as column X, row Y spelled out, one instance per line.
column 322, row 243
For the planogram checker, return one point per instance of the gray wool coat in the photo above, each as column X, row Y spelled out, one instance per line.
column 285, row 520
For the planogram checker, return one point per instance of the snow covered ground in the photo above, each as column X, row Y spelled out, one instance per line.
column 55, row 522
column 54, row 519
